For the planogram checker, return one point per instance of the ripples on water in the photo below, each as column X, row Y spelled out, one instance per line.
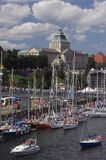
column 57, row 144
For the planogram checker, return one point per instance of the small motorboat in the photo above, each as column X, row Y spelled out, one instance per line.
column 26, row 148
column 91, row 142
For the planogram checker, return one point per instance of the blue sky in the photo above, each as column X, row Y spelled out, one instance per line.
column 31, row 23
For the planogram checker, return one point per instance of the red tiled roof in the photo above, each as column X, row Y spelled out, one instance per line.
column 99, row 57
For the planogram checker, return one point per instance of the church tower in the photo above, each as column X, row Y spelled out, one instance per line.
column 59, row 42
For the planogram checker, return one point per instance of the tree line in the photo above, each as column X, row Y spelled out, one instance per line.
column 12, row 60
column 24, row 66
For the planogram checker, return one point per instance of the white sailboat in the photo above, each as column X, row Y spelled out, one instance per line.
column 71, row 122
column 89, row 140
column 56, row 122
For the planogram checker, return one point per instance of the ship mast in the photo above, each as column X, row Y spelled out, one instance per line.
column 1, row 74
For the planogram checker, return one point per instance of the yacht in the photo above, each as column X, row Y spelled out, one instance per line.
column 91, row 142
column 28, row 147
column 17, row 130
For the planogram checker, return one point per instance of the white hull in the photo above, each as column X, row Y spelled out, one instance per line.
column 70, row 126
column 97, row 114
column 91, row 113
column 90, row 141
column 34, row 150
column 56, row 125
column 26, row 148
column 102, row 114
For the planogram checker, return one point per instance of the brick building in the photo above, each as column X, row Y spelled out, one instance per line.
column 99, row 58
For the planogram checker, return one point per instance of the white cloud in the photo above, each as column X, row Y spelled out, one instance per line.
column 11, row 14
column 76, row 18
column 9, row 45
column 55, row 10
column 27, row 31
column 101, row 45
column 18, row 1
column 99, row 0
column 80, row 37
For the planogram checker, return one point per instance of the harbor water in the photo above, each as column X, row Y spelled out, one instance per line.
column 57, row 144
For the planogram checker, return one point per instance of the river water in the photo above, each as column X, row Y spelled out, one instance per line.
column 57, row 144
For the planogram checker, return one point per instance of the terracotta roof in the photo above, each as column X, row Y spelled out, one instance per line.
column 99, row 57
column 100, row 53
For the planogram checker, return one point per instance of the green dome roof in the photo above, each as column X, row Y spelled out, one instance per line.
column 59, row 36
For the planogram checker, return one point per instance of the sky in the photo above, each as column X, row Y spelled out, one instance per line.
column 25, row 24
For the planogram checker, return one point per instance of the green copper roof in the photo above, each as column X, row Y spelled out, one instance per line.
column 60, row 36
column 23, row 52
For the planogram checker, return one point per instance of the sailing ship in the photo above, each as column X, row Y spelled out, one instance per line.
column 42, row 121
column 17, row 128
column 90, row 139
column 3, row 124
column 56, row 121
column 71, row 120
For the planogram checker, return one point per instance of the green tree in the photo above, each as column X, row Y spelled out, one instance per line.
column 5, row 79
column 10, row 59
column 22, row 82
column 91, row 64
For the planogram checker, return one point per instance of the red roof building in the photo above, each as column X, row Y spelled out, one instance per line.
column 99, row 58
